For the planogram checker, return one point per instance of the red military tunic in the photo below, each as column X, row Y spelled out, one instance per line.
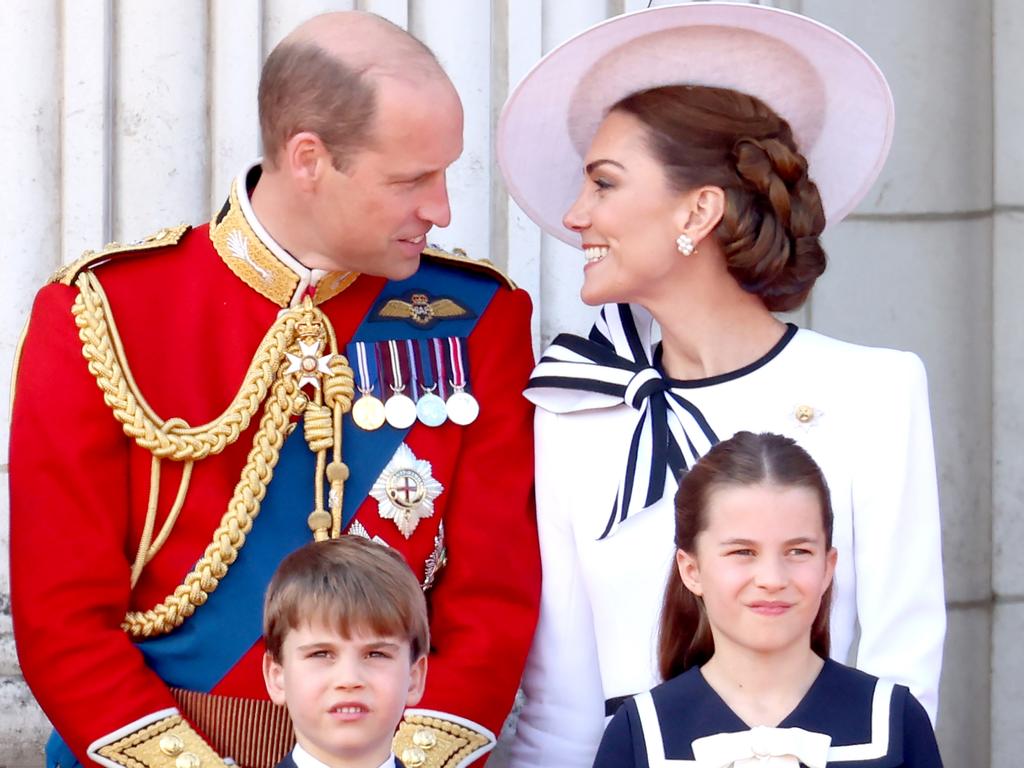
column 191, row 314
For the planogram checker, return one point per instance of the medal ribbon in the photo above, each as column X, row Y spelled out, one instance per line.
column 458, row 368
column 423, row 362
column 397, row 380
column 367, row 376
column 442, row 378
column 383, row 364
column 410, row 357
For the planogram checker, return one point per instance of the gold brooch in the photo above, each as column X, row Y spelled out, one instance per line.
column 806, row 416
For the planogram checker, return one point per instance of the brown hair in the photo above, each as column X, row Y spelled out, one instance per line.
column 304, row 88
column 773, row 213
column 745, row 459
column 349, row 583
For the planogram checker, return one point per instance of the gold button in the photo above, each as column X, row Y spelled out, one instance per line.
column 414, row 757
column 301, row 401
column 187, row 760
column 424, row 738
column 804, row 413
column 171, row 745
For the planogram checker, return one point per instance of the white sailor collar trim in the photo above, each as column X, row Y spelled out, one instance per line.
column 864, row 754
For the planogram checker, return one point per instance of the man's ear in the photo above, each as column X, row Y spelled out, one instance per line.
column 699, row 212
column 273, row 677
column 417, row 681
column 689, row 572
column 305, row 158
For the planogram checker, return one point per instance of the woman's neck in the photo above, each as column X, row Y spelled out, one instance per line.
column 711, row 327
column 762, row 689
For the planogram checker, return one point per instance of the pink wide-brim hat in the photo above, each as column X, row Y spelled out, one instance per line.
column 833, row 95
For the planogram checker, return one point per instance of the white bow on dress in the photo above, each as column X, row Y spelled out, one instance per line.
column 763, row 747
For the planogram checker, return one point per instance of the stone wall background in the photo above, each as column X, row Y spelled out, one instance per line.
column 120, row 118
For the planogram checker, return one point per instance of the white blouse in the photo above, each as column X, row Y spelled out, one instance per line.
column 861, row 412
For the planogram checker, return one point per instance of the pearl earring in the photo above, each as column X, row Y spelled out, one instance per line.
column 684, row 243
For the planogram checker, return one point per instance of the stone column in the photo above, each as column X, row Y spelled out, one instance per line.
column 912, row 269
column 30, row 229
column 1008, row 372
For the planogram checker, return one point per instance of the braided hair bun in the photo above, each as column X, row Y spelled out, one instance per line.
column 773, row 215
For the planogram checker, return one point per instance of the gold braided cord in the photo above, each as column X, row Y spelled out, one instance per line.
column 322, row 430
column 319, row 521
column 237, row 521
column 174, row 438
column 147, row 529
column 273, row 380
column 147, row 550
column 318, row 427
column 172, row 516
column 339, row 389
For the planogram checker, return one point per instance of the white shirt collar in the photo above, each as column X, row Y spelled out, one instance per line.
column 303, row 759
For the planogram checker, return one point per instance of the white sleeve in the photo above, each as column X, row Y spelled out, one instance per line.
column 562, row 718
column 897, row 539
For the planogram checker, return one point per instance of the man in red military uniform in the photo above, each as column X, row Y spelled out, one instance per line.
column 191, row 407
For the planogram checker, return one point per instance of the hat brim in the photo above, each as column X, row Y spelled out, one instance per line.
column 833, row 95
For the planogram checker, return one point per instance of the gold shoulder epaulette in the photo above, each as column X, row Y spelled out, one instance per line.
column 458, row 258
column 167, row 236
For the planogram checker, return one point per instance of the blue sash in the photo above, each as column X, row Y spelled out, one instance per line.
column 198, row 654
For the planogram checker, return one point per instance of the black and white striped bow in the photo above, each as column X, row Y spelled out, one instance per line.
column 614, row 366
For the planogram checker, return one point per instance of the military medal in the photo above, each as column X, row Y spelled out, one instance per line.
column 462, row 407
column 405, row 491
column 368, row 411
column 430, row 409
column 399, row 410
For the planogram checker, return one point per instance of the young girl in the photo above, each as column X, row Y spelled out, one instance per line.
column 744, row 634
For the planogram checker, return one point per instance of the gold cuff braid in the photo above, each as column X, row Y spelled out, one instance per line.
column 431, row 742
column 167, row 743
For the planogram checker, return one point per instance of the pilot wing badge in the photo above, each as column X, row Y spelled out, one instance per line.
column 420, row 310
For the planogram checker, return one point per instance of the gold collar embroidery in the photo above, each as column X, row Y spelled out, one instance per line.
column 256, row 264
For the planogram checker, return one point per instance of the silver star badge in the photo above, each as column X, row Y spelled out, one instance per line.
column 309, row 364
column 405, row 491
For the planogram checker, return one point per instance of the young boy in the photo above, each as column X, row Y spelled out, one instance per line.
column 347, row 638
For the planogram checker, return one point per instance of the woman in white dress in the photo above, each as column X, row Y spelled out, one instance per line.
column 715, row 142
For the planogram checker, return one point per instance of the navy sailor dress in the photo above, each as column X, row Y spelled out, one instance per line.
column 847, row 719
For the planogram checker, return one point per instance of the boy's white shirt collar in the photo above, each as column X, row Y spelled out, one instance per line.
column 303, row 759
